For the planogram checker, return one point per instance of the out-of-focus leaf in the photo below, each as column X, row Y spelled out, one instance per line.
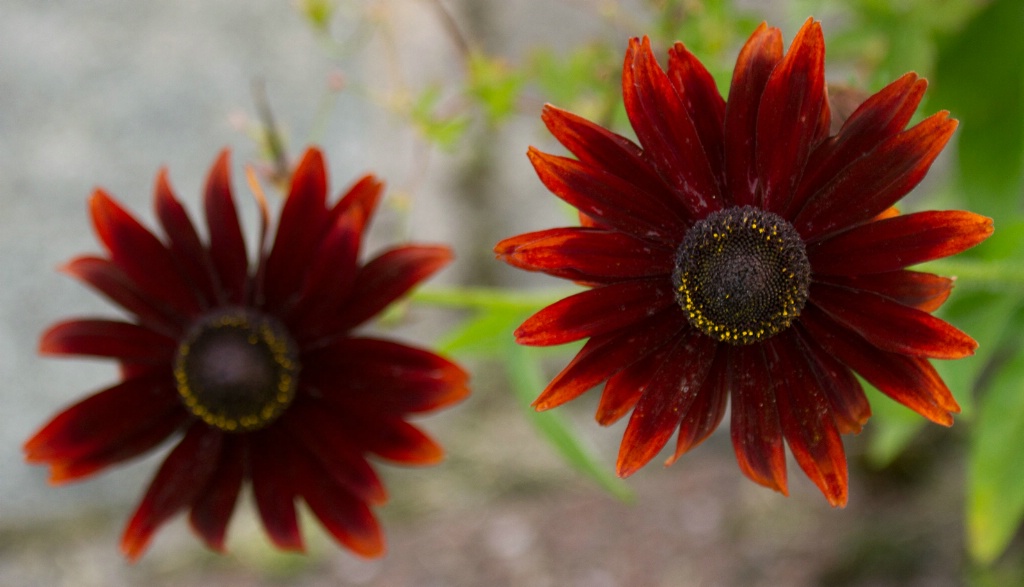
column 440, row 128
column 485, row 335
column 527, row 382
column 980, row 79
column 995, row 493
column 495, row 84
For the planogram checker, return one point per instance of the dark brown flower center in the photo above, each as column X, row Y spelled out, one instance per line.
column 742, row 275
column 236, row 369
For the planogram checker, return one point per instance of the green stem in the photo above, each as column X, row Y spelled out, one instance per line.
column 488, row 298
column 998, row 275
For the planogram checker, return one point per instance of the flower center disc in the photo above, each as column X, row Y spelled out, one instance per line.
column 742, row 275
column 236, row 370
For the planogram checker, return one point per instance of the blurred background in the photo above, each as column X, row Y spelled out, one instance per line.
column 441, row 98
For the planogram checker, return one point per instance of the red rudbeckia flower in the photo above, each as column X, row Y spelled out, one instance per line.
column 252, row 367
column 741, row 251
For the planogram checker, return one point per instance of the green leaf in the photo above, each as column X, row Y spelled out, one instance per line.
column 495, row 84
column 485, row 335
column 527, row 382
column 995, row 493
column 979, row 78
column 443, row 129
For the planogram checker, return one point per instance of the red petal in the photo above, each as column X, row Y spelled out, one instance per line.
column 706, row 411
column 846, row 398
column 586, row 254
column 141, row 256
column 107, row 338
column 108, row 279
column 98, row 423
column 329, row 279
column 595, row 311
column 605, row 355
column 300, row 229
column 699, row 94
column 876, row 181
column 599, row 148
column 191, row 256
column 390, row 276
column 923, row 291
column 890, row 325
column 755, row 428
column 806, row 419
column 670, row 392
column 332, row 448
column 666, row 131
column 895, row 243
column 384, row 376
column 176, row 485
column 215, row 504
column 610, row 200
column 880, row 117
column 912, row 381
column 623, row 390
column 392, row 438
column 273, row 485
column 359, row 201
column 347, row 518
column 788, row 116
column 227, row 245
column 757, row 59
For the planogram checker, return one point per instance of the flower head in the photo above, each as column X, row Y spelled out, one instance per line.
column 743, row 251
column 251, row 367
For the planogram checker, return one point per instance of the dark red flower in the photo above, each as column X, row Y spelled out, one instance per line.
column 742, row 251
column 252, row 368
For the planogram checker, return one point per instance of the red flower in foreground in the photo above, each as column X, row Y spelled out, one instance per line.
column 741, row 251
column 252, row 368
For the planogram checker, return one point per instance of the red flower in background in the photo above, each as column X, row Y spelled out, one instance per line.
column 740, row 251
column 252, row 368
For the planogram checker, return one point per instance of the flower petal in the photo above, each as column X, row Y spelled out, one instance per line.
column 227, row 245
column 706, row 411
column 874, row 182
column 924, row 291
column 390, row 276
column 845, row 395
column 343, row 461
column 329, row 278
column 756, row 61
column 347, row 518
column 108, row 279
column 912, row 381
column 107, row 338
column 788, row 115
column 303, row 220
column 605, row 355
column 142, row 257
column 696, row 88
column 586, row 254
column 273, row 485
column 891, row 326
column 895, row 243
column 599, row 148
column 215, row 504
column 98, row 422
column 595, row 311
column 880, row 117
column 383, row 376
column 755, row 428
column 806, row 419
column 189, row 253
column 610, row 200
column 624, row 388
column 175, row 487
column 665, row 398
column 666, row 131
